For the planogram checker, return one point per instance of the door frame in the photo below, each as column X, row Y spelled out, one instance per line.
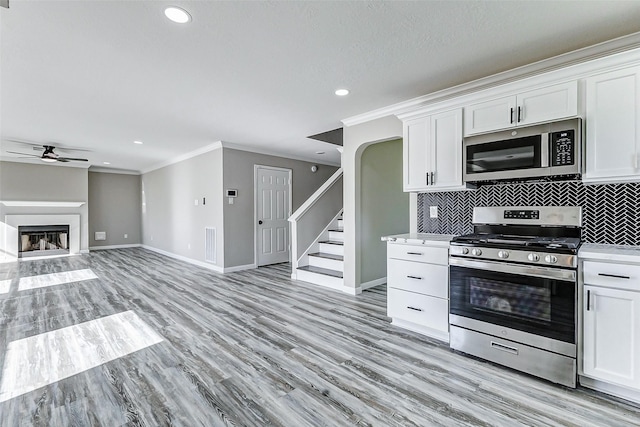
column 256, row 167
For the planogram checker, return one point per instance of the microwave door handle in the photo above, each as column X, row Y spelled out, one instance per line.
column 545, row 144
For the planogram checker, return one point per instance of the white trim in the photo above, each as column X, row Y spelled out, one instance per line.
column 239, row 268
column 202, row 150
column 274, row 153
column 84, row 251
column 373, row 283
column 609, row 388
column 185, row 259
column 255, row 207
column 39, row 204
column 352, row 291
column 424, row 330
column 608, row 48
column 315, row 196
column 100, row 248
column 98, row 169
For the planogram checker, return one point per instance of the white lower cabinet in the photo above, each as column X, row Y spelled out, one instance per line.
column 610, row 314
column 418, row 287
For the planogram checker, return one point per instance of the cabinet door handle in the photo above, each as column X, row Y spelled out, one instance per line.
column 415, row 253
column 519, row 114
column 511, row 115
column 432, row 178
column 413, row 308
column 427, row 178
column 588, row 300
column 414, row 277
column 615, row 276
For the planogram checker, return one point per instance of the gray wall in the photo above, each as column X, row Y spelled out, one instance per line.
column 384, row 205
column 239, row 224
column 115, row 207
column 170, row 219
column 45, row 183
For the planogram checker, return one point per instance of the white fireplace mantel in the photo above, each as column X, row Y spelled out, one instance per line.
column 41, row 204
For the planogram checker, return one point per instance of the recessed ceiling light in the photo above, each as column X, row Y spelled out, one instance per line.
column 106, row 163
column 177, row 14
column 319, row 152
column 342, row 92
column 137, row 142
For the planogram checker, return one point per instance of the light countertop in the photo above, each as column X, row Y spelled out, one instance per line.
column 420, row 238
column 621, row 253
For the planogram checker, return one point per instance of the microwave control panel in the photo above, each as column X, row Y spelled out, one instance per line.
column 563, row 148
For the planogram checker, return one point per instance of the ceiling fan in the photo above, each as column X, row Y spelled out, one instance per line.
column 49, row 155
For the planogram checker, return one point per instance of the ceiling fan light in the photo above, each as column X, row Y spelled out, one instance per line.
column 48, row 160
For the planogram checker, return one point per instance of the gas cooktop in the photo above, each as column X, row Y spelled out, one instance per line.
column 504, row 240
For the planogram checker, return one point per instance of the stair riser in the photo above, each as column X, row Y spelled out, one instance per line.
column 340, row 223
column 336, row 235
column 331, row 264
column 331, row 249
column 320, row 279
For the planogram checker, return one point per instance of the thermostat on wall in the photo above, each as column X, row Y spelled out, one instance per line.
column 232, row 193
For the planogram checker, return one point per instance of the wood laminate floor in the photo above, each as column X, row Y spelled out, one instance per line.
column 153, row 341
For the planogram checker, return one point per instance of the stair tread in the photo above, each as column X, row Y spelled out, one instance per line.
column 320, row 270
column 328, row 256
column 333, row 242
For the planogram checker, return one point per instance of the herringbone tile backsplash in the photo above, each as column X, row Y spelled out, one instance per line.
column 610, row 213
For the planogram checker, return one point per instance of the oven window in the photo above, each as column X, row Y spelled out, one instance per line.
column 518, row 153
column 525, row 301
column 540, row 306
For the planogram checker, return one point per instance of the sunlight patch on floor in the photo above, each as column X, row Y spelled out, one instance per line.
column 43, row 359
column 53, row 279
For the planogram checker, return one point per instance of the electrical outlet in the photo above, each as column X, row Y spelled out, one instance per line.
column 433, row 212
column 126, row 236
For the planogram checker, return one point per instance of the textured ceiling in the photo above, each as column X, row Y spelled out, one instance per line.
column 101, row 74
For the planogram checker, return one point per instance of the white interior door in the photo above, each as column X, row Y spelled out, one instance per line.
column 273, row 207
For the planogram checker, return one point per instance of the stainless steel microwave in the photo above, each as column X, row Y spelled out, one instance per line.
column 550, row 149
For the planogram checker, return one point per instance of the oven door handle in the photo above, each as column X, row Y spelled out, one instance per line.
column 522, row 270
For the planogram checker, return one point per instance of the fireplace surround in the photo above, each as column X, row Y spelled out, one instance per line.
column 14, row 222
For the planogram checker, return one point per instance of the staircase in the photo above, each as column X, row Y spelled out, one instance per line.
column 326, row 266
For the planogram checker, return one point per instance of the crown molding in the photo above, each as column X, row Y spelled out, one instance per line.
column 589, row 53
column 207, row 148
column 275, row 153
column 99, row 169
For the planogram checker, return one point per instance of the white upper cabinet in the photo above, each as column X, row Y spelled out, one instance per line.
column 536, row 106
column 613, row 126
column 433, row 152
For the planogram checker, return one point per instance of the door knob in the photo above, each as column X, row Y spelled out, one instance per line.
column 260, row 222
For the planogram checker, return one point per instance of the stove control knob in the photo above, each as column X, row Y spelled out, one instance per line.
column 551, row 259
column 533, row 257
column 464, row 251
column 476, row 252
column 503, row 254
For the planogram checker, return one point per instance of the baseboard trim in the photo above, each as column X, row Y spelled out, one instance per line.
column 185, row 259
column 239, row 268
column 373, row 283
column 352, row 291
column 83, row 251
column 99, row 248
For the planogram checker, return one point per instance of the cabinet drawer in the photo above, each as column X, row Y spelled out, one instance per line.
column 419, row 253
column 612, row 275
column 428, row 279
column 421, row 309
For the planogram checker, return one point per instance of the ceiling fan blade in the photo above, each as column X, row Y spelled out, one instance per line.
column 66, row 159
column 23, row 154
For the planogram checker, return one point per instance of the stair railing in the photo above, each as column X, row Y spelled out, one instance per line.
column 310, row 220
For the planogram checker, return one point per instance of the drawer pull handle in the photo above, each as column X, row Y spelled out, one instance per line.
column 415, row 253
column 615, row 276
column 414, row 277
column 413, row 308
column 503, row 347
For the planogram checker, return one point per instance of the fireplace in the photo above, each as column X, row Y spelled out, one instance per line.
column 43, row 240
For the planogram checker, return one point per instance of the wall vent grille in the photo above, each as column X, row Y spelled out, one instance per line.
column 210, row 244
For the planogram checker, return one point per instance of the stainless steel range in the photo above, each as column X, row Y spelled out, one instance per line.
column 513, row 289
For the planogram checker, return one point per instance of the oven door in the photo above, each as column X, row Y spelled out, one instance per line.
column 512, row 158
column 537, row 300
